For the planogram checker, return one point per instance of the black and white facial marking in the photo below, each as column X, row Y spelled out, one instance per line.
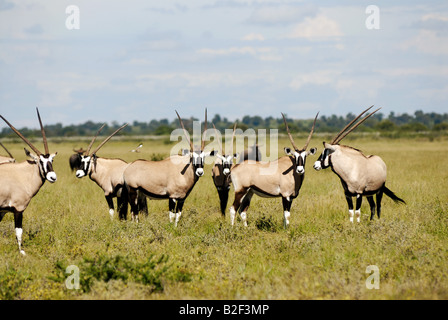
column 323, row 162
column 198, row 160
column 84, row 166
column 300, row 156
column 227, row 162
column 46, row 166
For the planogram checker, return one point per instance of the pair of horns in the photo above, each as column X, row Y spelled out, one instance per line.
column 104, row 141
column 26, row 140
column 344, row 132
column 309, row 136
column 185, row 131
column 217, row 135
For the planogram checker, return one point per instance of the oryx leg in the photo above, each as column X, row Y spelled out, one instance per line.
column 122, row 207
column 18, row 228
column 142, row 203
column 133, row 202
column 223, row 199
column 287, row 202
column 348, row 197
column 110, row 203
column 358, row 207
column 236, row 204
column 379, row 197
column 372, row 207
column 179, row 206
column 172, row 209
column 245, row 203
column 2, row 214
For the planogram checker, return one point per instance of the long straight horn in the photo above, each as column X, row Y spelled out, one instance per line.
column 356, row 125
column 22, row 137
column 289, row 133
column 335, row 139
column 219, row 142
column 205, row 132
column 108, row 138
column 311, row 133
column 1, row 144
column 44, row 137
column 185, row 131
column 93, row 140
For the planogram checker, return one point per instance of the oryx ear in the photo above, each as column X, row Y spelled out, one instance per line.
column 235, row 155
column 313, row 151
column 329, row 146
column 185, row 152
column 29, row 154
column 213, row 153
column 288, row 151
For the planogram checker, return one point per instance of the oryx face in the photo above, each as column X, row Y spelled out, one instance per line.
column 84, row 166
column 300, row 157
column 227, row 162
column 46, row 167
column 198, row 160
column 323, row 162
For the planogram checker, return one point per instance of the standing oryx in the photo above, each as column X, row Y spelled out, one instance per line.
column 107, row 174
column 280, row 178
column 360, row 175
column 172, row 178
column 20, row 182
column 221, row 172
column 6, row 159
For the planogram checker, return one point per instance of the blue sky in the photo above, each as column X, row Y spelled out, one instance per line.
column 141, row 60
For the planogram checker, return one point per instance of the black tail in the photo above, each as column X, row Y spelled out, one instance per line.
column 392, row 195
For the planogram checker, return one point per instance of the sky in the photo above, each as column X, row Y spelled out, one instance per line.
column 140, row 60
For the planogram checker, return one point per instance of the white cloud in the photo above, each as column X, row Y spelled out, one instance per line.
column 317, row 28
column 253, row 37
column 427, row 41
column 261, row 53
column 321, row 77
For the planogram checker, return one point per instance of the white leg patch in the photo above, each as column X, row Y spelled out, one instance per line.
column 111, row 212
column 351, row 213
column 178, row 214
column 244, row 217
column 232, row 215
column 19, row 232
column 286, row 215
column 358, row 215
column 172, row 216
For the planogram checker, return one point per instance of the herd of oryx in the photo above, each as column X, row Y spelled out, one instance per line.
column 174, row 177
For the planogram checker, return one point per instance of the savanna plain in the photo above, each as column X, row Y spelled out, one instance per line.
column 320, row 256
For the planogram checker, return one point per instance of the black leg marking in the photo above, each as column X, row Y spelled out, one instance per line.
column 372, row 207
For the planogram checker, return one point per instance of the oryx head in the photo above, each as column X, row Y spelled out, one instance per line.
column 324, row 160
column 300, row 154
column 44, row 161
column 197, row 156
column 227, row 159
column 88, row 158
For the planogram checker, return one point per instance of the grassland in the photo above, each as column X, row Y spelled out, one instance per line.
column 321, row 256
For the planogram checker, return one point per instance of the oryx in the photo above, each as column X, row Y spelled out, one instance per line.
column 20, row 182
column 4, row 159
column 280, row 178
column 221, row 172
column 172, row 178
column 360, row 175
column 107, row 174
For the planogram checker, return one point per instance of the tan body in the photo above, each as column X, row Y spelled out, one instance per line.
column 361, row 174
column 20, row 183
column 172, row 178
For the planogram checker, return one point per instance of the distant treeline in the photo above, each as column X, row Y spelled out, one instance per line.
column 418, row 122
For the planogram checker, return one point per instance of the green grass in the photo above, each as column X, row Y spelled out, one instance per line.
column 320, row 256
